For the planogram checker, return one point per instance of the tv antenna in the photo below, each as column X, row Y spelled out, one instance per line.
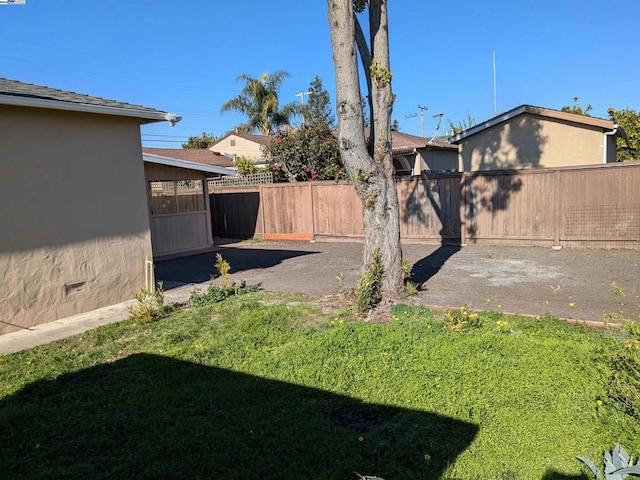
column 421, row 114
column 439, row 115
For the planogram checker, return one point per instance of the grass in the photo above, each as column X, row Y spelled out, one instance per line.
column 265, row 386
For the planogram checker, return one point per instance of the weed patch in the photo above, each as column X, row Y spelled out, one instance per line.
column 217, row 293
column 150, row 305
column 369, row 288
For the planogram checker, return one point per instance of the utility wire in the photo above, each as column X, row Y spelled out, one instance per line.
column 103, row 58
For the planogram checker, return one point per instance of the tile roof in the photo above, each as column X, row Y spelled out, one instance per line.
column 198, row 155
column 13, row 89
column 174, row 162
column 405, row 143
column 401, row 142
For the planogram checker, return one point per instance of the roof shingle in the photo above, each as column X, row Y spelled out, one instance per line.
column 28, row 90
column 198, row 155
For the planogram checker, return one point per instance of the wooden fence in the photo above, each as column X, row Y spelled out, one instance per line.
column 595, row 206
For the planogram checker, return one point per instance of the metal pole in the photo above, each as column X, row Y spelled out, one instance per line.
column 495, row 96
column 301, row 95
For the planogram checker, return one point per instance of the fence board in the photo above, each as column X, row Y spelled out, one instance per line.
column 601, row 207
column 337, row 211
column 287, row 211
column 597, row 206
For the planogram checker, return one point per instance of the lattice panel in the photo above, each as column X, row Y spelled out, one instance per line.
column 242, row 180
column 603, row 222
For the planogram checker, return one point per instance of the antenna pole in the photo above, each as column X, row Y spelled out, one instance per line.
column 414, row 115
column 301, row 95
column 495, row 96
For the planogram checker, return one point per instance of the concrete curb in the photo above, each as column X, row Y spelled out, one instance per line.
column 67, row 327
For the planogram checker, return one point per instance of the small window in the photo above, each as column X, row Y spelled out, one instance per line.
column 232, row 143
column 163, row 198
column 189, row 197
column 185, row 196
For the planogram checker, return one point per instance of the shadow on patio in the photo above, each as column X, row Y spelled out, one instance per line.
column 199, row 268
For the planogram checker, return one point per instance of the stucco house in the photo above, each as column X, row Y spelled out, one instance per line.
column 74, row 213
column 535, row 137
column 414, row 155
column 237, row 144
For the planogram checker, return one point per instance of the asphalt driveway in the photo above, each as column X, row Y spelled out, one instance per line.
column 577, row 284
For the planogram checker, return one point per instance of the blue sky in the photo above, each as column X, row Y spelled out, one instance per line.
column 184, row 56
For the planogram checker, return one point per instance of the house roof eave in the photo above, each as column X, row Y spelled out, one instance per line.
column 543, row 112
column 174, row 162
column 148, row 116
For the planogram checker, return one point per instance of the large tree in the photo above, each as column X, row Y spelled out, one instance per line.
column 577, row 109
column 318, row 108
column 370, row 170
column 629, row 120
column 205, row 140
column 258, row 100
column 628, row 141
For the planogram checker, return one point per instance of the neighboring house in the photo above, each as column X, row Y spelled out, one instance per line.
column 236, row 144
column 179, row 207
column 534, row 137
column 414, row 155
column 411, row 155
column 74, row 214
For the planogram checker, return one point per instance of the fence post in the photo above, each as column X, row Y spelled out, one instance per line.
column 261, row 208
column 463, row 211
column 556, row 233
column 313, row 213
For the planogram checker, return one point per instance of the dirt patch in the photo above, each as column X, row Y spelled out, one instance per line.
column 506, row 272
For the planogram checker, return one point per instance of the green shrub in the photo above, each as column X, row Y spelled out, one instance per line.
column 216, row 293
column 150, row 304
column 245, row 166
column 369, row 287
column 458, row 320
column 223, row 268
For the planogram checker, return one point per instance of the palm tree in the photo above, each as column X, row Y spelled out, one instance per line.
column 259, row 102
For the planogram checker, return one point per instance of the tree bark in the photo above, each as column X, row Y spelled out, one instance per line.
column 371, row 175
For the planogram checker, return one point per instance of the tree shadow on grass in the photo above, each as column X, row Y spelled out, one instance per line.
column 148, row 416
column 551, row 474
column 200, row 268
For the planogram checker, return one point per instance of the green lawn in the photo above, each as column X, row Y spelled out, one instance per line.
column 264, row 386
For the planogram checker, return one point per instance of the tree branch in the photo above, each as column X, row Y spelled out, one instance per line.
column 365, row 57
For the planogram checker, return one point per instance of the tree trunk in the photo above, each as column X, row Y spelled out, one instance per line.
column 372, row 176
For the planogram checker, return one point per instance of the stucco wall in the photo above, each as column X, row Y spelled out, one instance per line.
column 531, row 141
column 73, row 214
column 242, row 147
column 437, row 160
